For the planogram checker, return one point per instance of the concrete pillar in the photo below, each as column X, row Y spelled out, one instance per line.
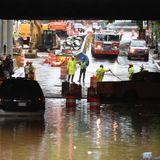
column 10, row 37
column 4, row 30
column 1, row 37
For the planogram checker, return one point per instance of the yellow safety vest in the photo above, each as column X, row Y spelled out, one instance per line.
column 130, row 72
column 71, row 66
column 100, row 73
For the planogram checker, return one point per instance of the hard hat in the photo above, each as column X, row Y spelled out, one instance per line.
column 130, row 64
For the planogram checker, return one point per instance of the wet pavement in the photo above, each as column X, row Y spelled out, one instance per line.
column 49, row 77
column 113, row 132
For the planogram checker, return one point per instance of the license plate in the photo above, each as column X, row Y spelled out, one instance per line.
column 22, row 104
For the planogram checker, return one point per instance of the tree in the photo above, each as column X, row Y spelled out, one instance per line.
column 156, row 34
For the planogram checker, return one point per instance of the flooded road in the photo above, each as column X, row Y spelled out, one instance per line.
column 113, row 132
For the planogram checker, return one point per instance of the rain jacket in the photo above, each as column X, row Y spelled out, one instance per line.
column 32, row 72
column 100, row 73
column 130, row 72
column 26, row 69
column 71, row 66
column 83, row 65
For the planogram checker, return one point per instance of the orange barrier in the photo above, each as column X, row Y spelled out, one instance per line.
column 71, row 110
column 91, row 92
column 93, row 81
column 64, row 70
column 52, row 58
column 46, row 61
column 65, row 88
column 75, row 89
column 70, row 101
column 56, row 64
column 54, row 61
column 94, row 103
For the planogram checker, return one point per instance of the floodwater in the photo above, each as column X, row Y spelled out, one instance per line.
column 113, row 133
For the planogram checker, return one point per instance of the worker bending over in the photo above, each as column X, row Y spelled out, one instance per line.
column 130, row 71
column 100, row 73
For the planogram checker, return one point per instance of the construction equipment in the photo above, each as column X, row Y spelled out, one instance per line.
column 42, row 39
column 60, row 27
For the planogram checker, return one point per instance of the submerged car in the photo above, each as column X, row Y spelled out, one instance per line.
column 138, row 49
column 21, row 95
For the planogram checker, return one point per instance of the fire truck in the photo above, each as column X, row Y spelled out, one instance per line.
column 105, row 42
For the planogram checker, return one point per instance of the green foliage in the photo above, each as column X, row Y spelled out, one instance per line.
column 139, row 24
column 156, row 28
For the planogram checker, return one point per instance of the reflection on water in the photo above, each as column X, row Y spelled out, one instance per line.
column 20, row 138
column 114, row 132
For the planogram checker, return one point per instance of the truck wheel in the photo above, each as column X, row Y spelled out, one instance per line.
column 146, row 58
column 93, row 53
column 129, row 57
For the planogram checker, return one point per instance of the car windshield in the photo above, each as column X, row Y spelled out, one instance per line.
column 103, row 37
column 21, row 88
column 138, row 44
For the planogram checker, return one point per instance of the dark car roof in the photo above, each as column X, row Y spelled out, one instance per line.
column 20, row 87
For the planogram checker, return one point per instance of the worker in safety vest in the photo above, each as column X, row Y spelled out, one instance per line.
column 26, row 70
column 71, row 66
column 100, row 73
column 142, row 69
column 83, row 66
column 130, row 71
column 31, row 73
column 16, row 35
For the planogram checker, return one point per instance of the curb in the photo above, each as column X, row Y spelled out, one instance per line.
column 156, row 61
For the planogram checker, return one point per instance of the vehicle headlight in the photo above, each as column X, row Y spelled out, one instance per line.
column 98, row 46
column 146, row 51
column 115, row 47
column 40, row 99
column 132, row 50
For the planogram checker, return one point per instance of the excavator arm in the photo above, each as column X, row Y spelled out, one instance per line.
column 36, row 34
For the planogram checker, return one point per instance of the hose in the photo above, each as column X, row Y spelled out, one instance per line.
column 115, row 75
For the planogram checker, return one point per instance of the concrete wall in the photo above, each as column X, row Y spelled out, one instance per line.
column 6, row 36
column 1, row 36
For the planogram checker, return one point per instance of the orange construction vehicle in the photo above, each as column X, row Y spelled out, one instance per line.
column 25, row 32
column 43, row 39
column 60, row 27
